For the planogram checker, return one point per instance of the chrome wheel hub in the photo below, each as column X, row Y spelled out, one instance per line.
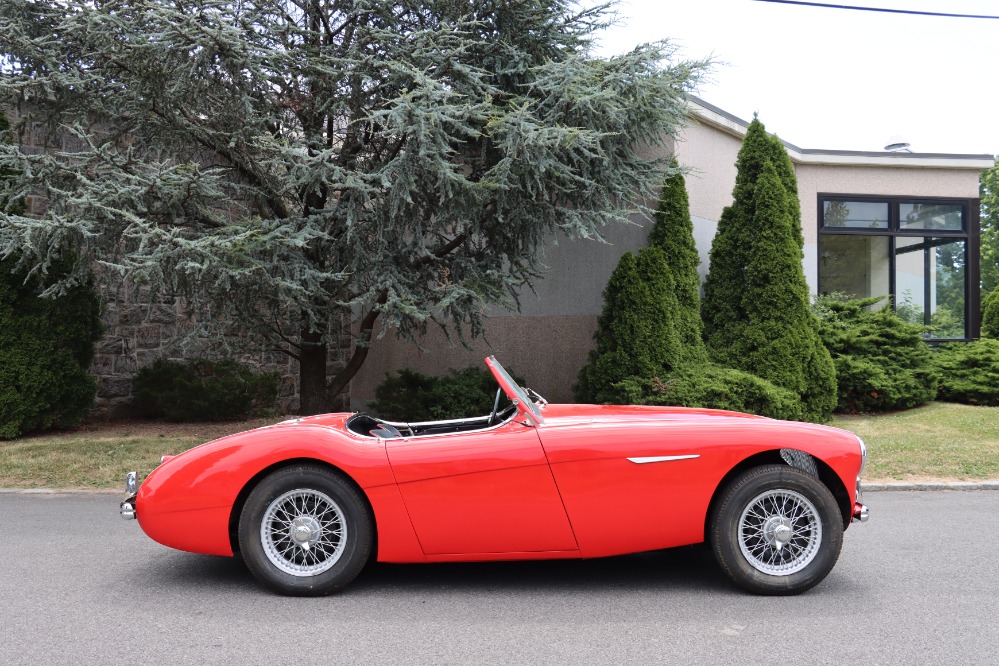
column 303, row 532
column 305, row 529
column 777, row 530
column 780, row 532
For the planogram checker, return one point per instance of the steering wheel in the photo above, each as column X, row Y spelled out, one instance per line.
column 492, row 415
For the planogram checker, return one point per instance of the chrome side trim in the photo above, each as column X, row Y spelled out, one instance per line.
column 655, row 459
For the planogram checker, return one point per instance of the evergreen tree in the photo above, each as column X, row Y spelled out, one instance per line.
column 46, row 344
column 990, row 315
column 989, row 220
column 756, row 305
column 634, row 336
column 730, row 248
column 273, row 162
column 674, row 233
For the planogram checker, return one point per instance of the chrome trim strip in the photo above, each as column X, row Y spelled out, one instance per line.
column 655, row 459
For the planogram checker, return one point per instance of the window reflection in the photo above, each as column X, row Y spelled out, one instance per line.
column 930, row 216
column 929, row 283
column 855, row 214
column 856, row 266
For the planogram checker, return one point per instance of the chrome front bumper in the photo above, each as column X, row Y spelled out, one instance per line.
column 861, row 514
column 127, row 507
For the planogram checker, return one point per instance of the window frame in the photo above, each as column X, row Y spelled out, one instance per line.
column 970, row 233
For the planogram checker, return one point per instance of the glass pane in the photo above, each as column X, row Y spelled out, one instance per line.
column 855, row 266
column 929, row 284
column 930, row 216
column 855, row 214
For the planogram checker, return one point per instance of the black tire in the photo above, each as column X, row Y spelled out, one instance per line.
column 336, row 546
column 769, row 564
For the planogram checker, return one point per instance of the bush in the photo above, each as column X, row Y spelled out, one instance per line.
column 756, row 304
column 969, row 372
column 882, row 362
column 46, row 348
column 635, row 333
column 710, row 386
column 203, row 390
column 673, row 232
column 411, row 396
column 990, row 315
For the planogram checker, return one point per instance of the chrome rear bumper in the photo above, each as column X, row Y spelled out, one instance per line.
column 127, row 507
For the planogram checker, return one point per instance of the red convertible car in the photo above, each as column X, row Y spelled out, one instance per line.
column 307, row 502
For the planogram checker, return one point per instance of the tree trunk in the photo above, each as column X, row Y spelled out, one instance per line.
column 313, row 396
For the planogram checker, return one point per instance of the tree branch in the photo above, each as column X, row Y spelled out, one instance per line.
column 339, row 383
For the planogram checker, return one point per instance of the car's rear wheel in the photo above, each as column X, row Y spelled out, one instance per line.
column 306, row 531
column 776, row 530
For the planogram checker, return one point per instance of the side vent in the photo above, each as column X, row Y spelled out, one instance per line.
column 801, row 460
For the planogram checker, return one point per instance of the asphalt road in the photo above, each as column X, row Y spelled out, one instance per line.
column 918, row 584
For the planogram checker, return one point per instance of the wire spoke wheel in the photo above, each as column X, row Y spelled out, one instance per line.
column 303, row 532
column 780, row 532
column 776, row 530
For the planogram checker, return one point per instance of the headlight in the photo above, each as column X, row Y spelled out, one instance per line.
column 863, row 455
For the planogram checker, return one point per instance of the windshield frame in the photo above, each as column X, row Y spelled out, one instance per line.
column 515, row 392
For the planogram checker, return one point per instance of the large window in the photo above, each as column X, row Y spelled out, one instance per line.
column 917, row 251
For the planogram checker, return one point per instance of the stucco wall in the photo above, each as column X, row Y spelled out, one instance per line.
column 548, row 340
column 878, row 181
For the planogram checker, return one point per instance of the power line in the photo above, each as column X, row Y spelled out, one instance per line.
column 878, row 9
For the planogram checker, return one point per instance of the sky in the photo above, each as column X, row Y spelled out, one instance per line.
column 838, row 79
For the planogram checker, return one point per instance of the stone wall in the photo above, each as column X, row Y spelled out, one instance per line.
column 137, row 331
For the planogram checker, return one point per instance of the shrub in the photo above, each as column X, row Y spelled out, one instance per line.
column 408, row 395
column 756, row 305
column 46, row 347
column 203, row 390
column 882, row 362
column 711, row 386
column 635, row 332
column 990, row 315
column 674, row 233
column 969, row 372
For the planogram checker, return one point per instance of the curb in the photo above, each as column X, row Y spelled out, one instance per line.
column 929, row 485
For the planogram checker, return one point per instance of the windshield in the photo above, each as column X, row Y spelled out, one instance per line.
column 514, row 391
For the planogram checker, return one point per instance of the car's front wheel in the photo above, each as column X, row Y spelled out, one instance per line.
column 305, row 531
column 776, row 530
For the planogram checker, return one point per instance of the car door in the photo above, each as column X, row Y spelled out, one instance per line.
column 631, row 489
column 484, row 492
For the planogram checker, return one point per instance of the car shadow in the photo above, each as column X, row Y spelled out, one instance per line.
column 676, row 570
column 691, row 568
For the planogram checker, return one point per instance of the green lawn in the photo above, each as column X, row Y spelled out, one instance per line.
column 100, row 455
column 942, row 441
column 939, row 442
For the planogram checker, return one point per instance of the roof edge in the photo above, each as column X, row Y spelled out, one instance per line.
column 723, row 120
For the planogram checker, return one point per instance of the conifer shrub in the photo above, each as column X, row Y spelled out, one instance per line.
column 990, row 315
column 203, row 390
column 673, row 232
column 412, row 396
column 635, row 332
column 46, row 348
column 882, row 362
column 711, row 386
column 756, row 303
column 969, row 372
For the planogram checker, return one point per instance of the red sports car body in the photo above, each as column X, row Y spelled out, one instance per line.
column 306, row 502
